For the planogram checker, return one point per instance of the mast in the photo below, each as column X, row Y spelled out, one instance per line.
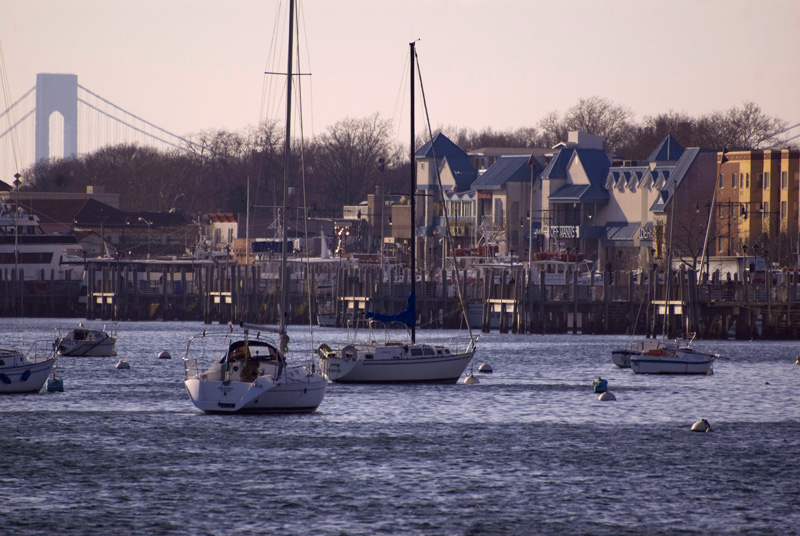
column 413, row 197
column 284, row 312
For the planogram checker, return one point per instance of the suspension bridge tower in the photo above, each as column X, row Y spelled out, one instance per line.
column 56, row 93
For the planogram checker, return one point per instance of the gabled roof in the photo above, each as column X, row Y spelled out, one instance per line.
column 440, row 147
column 674, row 178
column 595, row 163
column 505, row 169
column 448, row 153
column 669, row 150
column 463, row 171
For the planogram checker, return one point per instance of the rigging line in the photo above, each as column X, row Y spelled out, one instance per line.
column 301, row 15
column 184, row 140
column 120, row 121
column 267, row 83
column 6, row 93
column 448, row 235
column 8, row 109
column 400, row 99
column 299, row 90
column 21, row 119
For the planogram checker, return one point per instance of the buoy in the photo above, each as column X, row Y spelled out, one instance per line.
column 797, row 360
column 607, row 396
column 469, row 380
column 600, row 385
column 55, row 384
column 485, row 367
column 766, row 383
column 701, row 426
column 164, row 355
column 123, row 364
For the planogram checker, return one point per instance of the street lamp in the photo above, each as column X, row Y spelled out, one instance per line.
column 149, row 224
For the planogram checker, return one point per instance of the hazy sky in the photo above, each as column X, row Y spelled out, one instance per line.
column 191, row 65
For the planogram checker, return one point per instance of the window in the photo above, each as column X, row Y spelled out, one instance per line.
column 217, row 236
column 721, row 180
column 784, row 180
column 741, row 180
column 783, row 210
column 733, row 180
column 765, row 207
column 766, row 180
column 748, row 180
column 230, row 236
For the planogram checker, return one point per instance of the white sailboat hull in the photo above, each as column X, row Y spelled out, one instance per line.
column 297, row 393
column 366, row 363
column 21, row 375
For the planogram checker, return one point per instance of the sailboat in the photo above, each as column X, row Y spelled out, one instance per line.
column 20, row 373
column 650, row 356
column 386, row 359
column 250, row 372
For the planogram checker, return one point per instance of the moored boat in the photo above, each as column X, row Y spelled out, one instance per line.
column 20, row 373
column 87, row 342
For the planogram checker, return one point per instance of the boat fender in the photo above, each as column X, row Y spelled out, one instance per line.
column 25, row 375
column 349, row 352
column 323, row 350
column 701, row 426
column 4, row 378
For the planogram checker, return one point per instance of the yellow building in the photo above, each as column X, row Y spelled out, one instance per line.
column 757, row 204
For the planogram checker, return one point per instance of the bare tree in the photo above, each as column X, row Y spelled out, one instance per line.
column 346, row 159
column 594, row 115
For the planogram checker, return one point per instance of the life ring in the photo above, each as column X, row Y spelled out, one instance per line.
column 349, row 352
column 323, row 350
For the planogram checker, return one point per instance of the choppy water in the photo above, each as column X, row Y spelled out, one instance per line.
column 530, row 450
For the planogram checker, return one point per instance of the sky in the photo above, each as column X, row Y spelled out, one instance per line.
column 197, row 65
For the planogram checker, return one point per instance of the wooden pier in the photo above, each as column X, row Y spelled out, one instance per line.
column 509, row 300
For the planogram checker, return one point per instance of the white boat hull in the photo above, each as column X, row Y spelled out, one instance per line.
column 297, row 395
column 681, row 361
column 104, row 348
column 393, row 364
column 21, row 375
column 85, row 342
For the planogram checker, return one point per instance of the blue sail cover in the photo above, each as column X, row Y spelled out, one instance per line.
column 407, row 316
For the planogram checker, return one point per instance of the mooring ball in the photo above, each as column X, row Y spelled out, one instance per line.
column 471, row 379
column 701, row 426
column 607, row 396
column 164, row 355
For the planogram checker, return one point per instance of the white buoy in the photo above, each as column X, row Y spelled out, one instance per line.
column 123, row 364
column 164, row 355
column 701, row 426
column 485, row 367
column 471, row 379
column 606, row 396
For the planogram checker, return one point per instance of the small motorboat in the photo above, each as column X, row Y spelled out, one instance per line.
column 86, row 342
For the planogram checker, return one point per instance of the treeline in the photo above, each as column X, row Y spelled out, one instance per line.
column 220, row 170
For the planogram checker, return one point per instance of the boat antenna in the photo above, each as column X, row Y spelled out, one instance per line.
column 413, row 166
column 284, row 312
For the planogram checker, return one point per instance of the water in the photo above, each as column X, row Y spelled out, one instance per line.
column 530, row 450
